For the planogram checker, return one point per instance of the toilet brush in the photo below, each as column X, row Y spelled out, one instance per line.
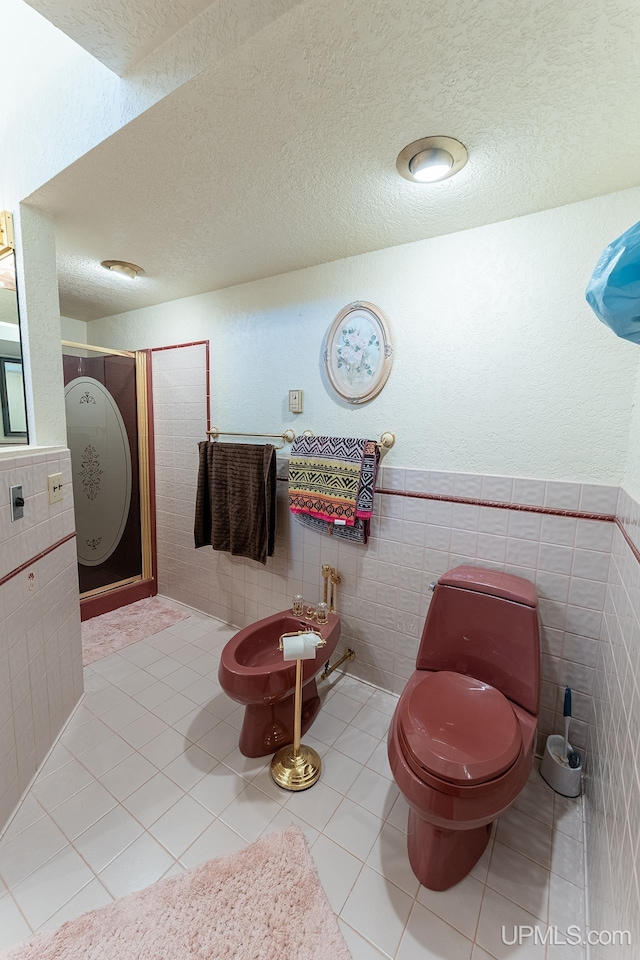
column 561, row 765
column 567, row 720
column 570, row 756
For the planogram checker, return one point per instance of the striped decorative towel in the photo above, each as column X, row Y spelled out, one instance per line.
column 358, row 533
column 333, row 479
column 236, row 499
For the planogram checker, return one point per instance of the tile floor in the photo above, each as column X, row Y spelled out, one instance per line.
column 147, row 780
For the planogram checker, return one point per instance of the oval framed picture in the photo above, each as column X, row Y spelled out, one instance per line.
column 359, row 352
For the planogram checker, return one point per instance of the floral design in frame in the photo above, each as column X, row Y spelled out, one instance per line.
column 359, row 352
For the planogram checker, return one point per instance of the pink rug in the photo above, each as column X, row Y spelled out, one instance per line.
column 137, row 621
column 264, row 902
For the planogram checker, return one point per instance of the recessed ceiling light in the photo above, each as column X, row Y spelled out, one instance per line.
column 122, row 268
column 431, row 159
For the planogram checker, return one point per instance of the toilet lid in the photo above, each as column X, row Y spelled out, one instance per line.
column 459, row 728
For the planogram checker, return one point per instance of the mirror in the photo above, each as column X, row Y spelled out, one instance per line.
column 13, row 423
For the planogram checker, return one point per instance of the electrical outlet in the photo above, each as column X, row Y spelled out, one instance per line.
column 55, row 487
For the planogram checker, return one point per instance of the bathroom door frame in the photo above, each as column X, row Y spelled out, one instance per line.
column 119, row 594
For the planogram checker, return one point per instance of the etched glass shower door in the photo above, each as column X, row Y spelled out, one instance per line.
column 102, row 401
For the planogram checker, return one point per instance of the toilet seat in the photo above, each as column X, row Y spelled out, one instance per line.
column 458, row 729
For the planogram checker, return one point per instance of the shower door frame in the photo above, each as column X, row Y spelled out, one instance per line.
column 118, row 594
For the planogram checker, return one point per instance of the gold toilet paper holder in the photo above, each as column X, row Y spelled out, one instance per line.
column 296, row 766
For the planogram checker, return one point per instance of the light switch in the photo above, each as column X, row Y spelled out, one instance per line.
column 55, row 487
column 295, row 401
column 17, row 502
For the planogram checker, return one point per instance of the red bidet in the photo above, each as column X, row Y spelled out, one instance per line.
column 253, row 673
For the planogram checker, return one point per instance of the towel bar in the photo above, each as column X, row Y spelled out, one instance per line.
column 287, row 437
column 386, row 441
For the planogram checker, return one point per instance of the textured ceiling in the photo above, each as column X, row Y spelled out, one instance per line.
column 283, row 156
column 119, row 33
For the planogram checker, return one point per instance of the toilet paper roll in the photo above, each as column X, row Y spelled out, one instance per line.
column 299, row 648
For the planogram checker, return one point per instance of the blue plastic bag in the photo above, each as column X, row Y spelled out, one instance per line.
column 613, row 293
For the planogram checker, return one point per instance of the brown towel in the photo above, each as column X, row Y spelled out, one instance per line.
column 236, row 499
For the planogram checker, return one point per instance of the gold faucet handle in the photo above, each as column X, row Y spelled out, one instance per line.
column 327, row 572
column 335, row 580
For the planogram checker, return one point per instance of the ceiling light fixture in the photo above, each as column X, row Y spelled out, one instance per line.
column 122, row 268
column 431, row 159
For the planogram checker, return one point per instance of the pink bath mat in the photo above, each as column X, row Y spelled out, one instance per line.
column 117, row 629
column 264, row 902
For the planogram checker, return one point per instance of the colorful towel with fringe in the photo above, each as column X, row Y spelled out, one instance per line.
column 357, row 530
column 367, row 489
column 358, row 533
column 324, row 477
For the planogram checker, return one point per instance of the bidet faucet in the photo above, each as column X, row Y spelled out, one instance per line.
column 330, row 576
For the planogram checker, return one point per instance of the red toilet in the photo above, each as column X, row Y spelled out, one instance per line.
column 462, row 737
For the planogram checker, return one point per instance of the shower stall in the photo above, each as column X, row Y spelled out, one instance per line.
column 110, row 436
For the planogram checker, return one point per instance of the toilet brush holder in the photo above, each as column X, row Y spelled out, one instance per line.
column 555, row 769
column 296, row 766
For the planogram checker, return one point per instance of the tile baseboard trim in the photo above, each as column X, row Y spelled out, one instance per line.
column 495, row 504
column 38, row 556
column 500, row 505
column 634, row 550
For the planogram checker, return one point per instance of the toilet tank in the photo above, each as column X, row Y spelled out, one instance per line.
column 485, row 624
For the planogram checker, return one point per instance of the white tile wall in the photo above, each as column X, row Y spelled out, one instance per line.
column 40, row 649
column 43, row 523
column 613, row 782
column 385, row 592
column 180, row 421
